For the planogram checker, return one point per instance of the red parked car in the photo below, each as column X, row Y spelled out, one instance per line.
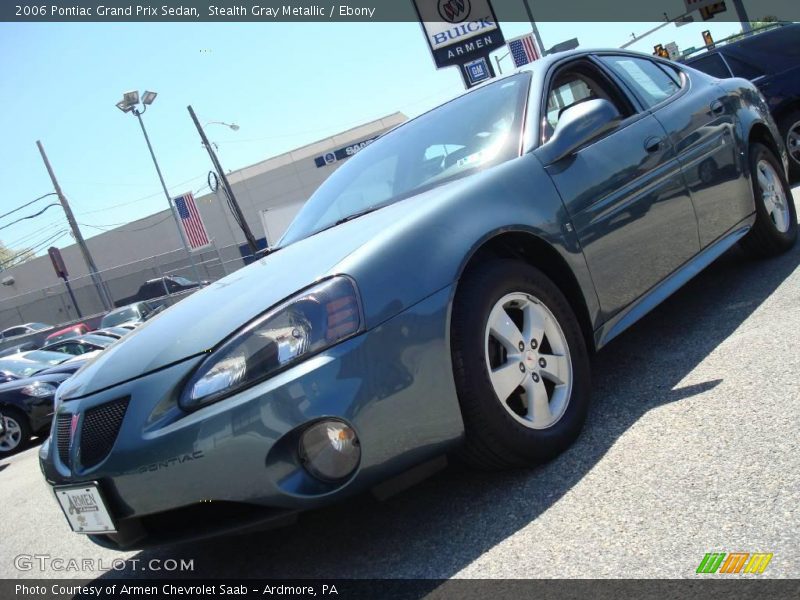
column 67, row 332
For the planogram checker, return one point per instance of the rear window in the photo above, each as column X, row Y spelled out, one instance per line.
column 742, row 68
column 712, row 65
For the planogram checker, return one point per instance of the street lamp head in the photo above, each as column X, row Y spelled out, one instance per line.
column 148, row 98
column 124, row 107
column 131, row 98
column 234, row 126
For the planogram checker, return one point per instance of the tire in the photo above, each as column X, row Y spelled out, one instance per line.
column 18, row 432
column 790, row 132
column 503, row 434
column 775, row 229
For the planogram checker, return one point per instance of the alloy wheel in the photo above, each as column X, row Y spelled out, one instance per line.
column 528, row 360
column 773, row 195
column 793, row 142
column 12, row 436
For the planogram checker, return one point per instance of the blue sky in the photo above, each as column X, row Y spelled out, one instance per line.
column 284, row 84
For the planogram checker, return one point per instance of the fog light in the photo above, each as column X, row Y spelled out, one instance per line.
column 330, row 450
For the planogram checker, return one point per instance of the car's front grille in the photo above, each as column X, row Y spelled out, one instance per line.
column 99, row 431
column 62, row 437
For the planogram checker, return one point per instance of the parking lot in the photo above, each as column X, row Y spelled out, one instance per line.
column 691, row 447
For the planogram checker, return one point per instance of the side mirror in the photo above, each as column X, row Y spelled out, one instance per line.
column 579, row 124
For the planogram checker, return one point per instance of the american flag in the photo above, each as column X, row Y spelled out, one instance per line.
column 523, row 50
column 191, row 221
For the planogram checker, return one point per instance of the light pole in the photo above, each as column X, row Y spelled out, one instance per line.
column 534, row 28
column 234, row 205
column 130, row 103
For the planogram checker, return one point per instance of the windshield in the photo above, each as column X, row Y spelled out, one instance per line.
column 120, row 316
column 45, row 356
column 102, row 341
column 183, row 281
column 20, row 368
column 473, row 131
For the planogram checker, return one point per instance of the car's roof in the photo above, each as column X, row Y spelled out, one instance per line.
column 740, row 40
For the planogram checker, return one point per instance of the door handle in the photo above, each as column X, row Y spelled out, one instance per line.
column 717, row 108
column 652, row 143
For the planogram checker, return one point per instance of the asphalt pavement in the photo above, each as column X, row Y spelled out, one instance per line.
column 691, row 446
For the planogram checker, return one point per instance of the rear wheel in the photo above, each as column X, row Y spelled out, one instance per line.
column 521, row 366
column 790, row 130
column 775, row 229
column 17, row 432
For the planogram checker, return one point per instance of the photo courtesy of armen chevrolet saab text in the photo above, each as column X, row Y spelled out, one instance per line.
column 438, row 296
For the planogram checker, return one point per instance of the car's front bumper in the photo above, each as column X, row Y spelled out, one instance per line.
column 234, row 463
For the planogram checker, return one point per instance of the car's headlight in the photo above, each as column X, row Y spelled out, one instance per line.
column 306, row 324
column 39, row 390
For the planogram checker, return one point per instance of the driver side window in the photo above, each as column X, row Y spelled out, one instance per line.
column 574, row 84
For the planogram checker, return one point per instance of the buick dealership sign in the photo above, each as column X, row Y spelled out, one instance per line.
column 459, row 31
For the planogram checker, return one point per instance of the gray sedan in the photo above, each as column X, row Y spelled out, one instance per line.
column 440, row 294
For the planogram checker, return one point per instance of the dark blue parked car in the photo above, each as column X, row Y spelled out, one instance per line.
column 771, row 60
column 441, row 292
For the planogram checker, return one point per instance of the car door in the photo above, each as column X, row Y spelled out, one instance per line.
column 700, row 126
column 624, row 192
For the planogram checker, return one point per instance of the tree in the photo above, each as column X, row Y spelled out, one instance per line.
column 10, row 257
column 766, row 20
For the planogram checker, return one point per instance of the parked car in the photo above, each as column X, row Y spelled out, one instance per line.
column 131, row 315
column 81, row 344
column 16, row 349
column 161, row 286
column 771, row 60
column 440, row 292
column 25, row 364
column 27, row 404
column 20, row 330
column 66, row 332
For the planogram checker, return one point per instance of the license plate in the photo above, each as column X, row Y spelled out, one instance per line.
column 84, row 508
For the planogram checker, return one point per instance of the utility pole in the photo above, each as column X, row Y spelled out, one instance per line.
column 169, row 199
column 76, row 232
column 536, row 35
column 237, row 211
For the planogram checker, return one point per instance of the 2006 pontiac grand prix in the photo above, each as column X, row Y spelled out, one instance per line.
column 440, row 293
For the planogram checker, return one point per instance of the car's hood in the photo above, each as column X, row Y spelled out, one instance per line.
column 42, row 377
column 200, row 321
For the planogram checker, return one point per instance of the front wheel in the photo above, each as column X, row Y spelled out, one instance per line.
column 521, row 366
column 17, row 432
column 775, row 229
column 790, row 131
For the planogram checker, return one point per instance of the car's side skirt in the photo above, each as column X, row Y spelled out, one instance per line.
column 656, row 295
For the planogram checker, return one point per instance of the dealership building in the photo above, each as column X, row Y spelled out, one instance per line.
column 270, row 193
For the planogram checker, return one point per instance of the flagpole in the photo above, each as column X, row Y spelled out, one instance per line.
column 169, row 199
column 536, row 35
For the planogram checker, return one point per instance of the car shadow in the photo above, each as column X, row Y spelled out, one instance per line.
column 439, row 527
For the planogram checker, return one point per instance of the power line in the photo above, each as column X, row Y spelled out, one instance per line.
column 89, row 212
column 32, row 251
column 42, row 229
column 103, row 226
column 29, row 216
column 27, row 204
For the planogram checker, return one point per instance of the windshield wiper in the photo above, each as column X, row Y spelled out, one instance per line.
column 354, row 216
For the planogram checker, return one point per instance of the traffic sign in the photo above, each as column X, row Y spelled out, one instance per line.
column 58, row 262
